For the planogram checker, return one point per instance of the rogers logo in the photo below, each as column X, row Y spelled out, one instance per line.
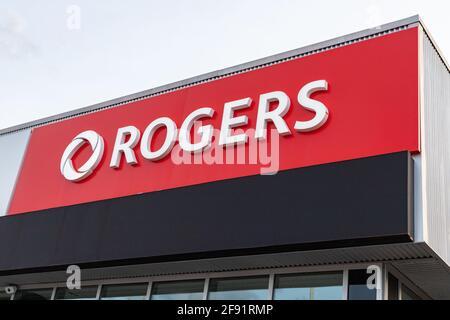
column 97, row 145
column 128, row 137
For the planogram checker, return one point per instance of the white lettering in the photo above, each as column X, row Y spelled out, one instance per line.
column 275, row 116
column 205, row 131
column 171, row 137
column 229, row 122
column 125, row 147
column 313, row 105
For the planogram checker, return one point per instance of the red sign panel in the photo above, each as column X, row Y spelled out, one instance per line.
column 372, row 99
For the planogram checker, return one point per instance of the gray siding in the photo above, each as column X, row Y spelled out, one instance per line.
column 12, row 148
column 436, row 151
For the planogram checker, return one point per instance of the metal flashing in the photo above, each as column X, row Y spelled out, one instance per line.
column 245, row 67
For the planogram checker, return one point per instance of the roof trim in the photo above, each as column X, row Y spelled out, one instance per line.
column 245, row 67
column 434, row 44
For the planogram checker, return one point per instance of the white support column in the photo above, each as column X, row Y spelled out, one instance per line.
column 271, row 286
column 149, row 290
column 345, row 285
column 53, row 294
column 205, row 289
column 99, row 290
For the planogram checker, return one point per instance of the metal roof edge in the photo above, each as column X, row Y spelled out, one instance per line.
column 434, row 44
column 292, row 54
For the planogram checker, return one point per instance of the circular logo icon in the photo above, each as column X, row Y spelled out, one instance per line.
column 97, row 146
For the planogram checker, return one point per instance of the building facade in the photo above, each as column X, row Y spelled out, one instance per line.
column 318, row 173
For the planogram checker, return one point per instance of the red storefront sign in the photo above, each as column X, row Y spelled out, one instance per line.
column 372, row 98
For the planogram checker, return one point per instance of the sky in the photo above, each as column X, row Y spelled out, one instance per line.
column 57, row 56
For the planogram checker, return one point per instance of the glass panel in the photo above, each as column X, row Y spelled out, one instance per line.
column 178, row 290
column 392, row 287
column 4, row 296
column 38, row 294
column 357, row 286
column 407, row 294
column 136, row 291
column 251, row 288
column 85, row 293
column 315, row 286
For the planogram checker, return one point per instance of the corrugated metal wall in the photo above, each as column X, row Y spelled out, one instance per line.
column 436, row 150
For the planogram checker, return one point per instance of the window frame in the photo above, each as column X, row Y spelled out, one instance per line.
column 207, row 276
column 341, row 272
column 402, row 280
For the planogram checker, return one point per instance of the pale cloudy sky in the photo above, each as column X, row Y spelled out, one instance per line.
column 51, row 61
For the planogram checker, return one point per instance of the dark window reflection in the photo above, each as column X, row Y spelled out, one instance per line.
column 357, row 286
column 408, row 294
column 85, row 293
column 178, row 290
column 124, row 291
column 313, row 286
column 38, row 294
column 392, row 287
column 250, row 288
column 4, row 296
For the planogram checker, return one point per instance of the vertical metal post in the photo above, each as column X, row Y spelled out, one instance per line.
column 99, row 290
column 149, row 291
column 271, row 286
column 53, row 294
column 345, row 285
column 205, row 289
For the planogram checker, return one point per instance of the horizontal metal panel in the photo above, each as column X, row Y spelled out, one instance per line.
column 314, row 258
column 381, row 126
column 345, row 204
column 416, row 261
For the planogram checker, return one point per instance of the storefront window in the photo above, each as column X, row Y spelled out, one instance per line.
column 408, row 294
column 178, row 290
column 38, row 294
column 318, row 286
column 250, row 288
column 85, row 293
column 392, row 287
column 357, row 286
column 4, row 296
column 124, row 292
column 286, row 286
